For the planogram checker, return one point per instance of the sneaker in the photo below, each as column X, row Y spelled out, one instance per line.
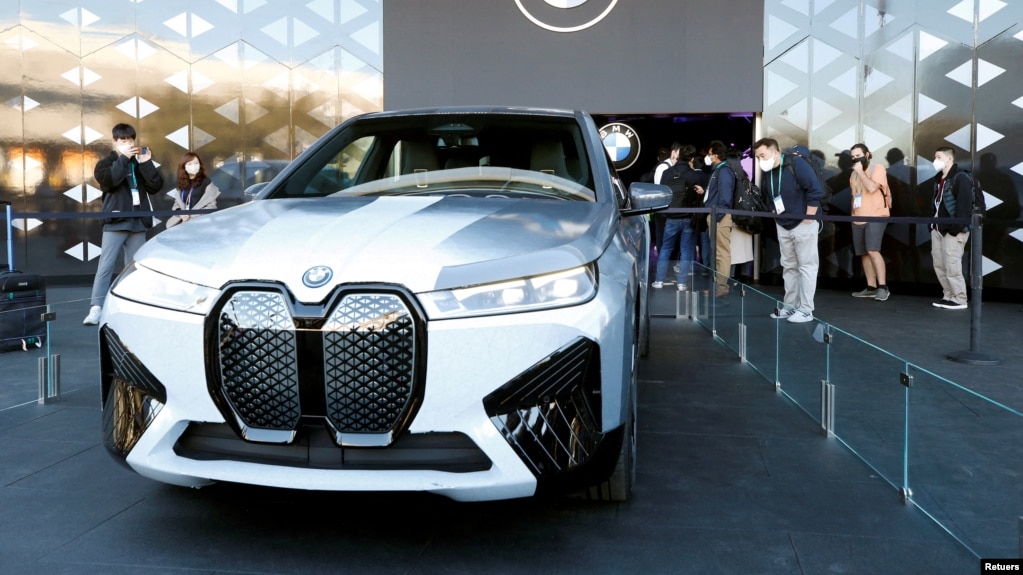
column 947, row 304
column 869, row 292
column 721, row 292
column 93, row 317
column 782, row 313
column 681, row 287
column 800, row 316
column 882, row 294
column 657, row 285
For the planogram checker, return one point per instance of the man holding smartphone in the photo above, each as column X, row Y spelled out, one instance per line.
column 127, row 177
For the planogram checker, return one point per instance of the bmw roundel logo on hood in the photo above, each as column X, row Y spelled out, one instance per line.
column 565, row 15
column 621, row 143
column 317, row 276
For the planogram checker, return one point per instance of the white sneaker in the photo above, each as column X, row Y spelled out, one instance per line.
column 657, row 285
column 93, row 317
column 800, row 316
column 782, row 313
column 681, row 287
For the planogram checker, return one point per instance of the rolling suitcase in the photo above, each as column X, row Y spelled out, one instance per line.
column 22, row 302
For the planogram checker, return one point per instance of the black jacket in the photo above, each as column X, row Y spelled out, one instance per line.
column 116, row 175
column 954, row 199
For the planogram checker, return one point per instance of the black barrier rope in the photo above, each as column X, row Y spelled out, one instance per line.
column 972, row 356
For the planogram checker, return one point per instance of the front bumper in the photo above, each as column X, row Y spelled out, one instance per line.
column 505, row 405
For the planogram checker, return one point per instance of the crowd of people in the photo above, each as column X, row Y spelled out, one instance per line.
column 796, row 189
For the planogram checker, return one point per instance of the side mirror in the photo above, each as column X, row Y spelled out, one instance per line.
column 252, row 191
column 645, row 198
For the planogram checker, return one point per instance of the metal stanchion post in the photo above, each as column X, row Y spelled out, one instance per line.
column 42, row 380
column 974, row 356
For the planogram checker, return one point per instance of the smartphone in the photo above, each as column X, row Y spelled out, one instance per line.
column 144, row 151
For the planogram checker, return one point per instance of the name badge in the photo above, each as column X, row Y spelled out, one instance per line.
column 135, row 201
column 857, row 201
column 779, row 205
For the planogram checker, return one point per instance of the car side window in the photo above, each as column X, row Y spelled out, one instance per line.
column 342, row 171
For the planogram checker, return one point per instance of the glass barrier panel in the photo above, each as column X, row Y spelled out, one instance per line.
column 703, row 292
column 36, row 350
column 728, row 316
column 869, row 403
column 802, row 363
column 963, row 443
column 761, row 333
column 662, row 299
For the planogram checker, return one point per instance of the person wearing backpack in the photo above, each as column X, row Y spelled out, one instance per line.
column 791, row 184
column 720, row 190
column 871, row 198
column 953, row 198
column 681, row 178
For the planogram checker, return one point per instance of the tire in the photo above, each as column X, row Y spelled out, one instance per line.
column 618, row 486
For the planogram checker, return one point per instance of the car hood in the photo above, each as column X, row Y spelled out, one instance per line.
column 422, row 243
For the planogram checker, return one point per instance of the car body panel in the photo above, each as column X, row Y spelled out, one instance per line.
column 510, row 398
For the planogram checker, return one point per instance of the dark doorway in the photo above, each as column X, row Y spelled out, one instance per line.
column 658, row 131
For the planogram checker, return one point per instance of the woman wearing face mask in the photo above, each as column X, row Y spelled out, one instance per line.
column 194, row 189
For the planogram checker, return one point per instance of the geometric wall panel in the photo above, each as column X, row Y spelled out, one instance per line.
column 238, row 81
column 905, row 78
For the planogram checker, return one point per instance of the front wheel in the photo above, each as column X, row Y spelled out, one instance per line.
column 618, row 486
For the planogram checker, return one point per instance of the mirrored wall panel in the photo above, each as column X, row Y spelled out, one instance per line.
column 246, row 84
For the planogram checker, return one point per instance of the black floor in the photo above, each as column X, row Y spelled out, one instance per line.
column 732, row 478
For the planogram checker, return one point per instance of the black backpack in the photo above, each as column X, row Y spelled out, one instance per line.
column 979, row 203
column 648, row 177
column 682, row 195
column 817, row 164
column 747, row 197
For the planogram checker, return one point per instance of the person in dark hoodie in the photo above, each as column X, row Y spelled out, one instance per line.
column 127, row 177
column 953, row 198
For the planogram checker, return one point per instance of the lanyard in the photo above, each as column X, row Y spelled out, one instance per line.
column 776, row 188
column 187, row 199
column 134, row 180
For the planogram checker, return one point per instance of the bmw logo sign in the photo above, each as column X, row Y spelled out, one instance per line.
column 565, row 15
column 621, row 143
column 317, row 276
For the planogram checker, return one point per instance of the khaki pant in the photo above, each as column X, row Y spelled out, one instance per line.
column 947, row 253
column 800, row 262
column 722, row 250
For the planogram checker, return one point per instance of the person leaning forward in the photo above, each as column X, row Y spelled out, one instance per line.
column 720, row 191
column 791, row 185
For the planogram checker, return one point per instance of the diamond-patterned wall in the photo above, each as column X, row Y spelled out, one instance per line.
column 247, row 84
column 912, row 76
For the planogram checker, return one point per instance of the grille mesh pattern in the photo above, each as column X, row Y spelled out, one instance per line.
column 258, row 360
column 369, row 359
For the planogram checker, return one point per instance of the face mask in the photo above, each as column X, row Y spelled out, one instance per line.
column 939, row 165
column 708, row 160
column 192, row 169
column 124, row 148
column 767, row 165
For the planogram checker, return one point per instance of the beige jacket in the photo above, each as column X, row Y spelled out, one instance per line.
column 208, row 201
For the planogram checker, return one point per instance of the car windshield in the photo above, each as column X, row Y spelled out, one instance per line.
column 471, row 155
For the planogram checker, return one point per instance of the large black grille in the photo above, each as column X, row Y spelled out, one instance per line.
column 352, row 364
column 258, row 364
column 368, row 362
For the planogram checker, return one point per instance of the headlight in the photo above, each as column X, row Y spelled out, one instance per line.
column 143, row 285
column 559, row 289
